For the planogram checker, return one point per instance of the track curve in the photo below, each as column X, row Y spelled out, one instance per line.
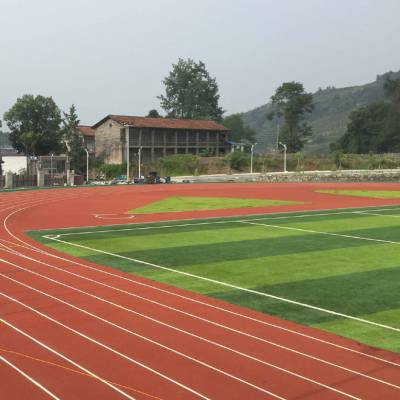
column 71, row 329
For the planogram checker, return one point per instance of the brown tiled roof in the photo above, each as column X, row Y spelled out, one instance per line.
column 86, row 130
column 166, row 123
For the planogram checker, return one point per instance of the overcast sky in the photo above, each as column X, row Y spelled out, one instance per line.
column 111, row 56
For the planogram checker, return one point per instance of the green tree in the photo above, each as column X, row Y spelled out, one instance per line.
column 34, row 122
column 376, row 127
column 392, row 89
column 291, row 102
column 73, row 140
column 190, row 92
column 153, row 114
column 238, row 130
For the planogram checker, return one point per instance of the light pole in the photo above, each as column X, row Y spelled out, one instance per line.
column 51, row 169
column 139, row 161
column 127, row 153
column 251, row 157
column 284, row 155
column 87, row 165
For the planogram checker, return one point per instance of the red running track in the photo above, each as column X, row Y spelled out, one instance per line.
column 71, row 329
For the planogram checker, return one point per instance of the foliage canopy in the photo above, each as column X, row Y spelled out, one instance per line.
column 34, row 122
column 291, row 102
column 190, row 92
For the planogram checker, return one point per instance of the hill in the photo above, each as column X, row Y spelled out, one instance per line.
column 329, row 118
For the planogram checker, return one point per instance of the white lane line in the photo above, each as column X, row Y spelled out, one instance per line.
column 191, row 334
column 30, row 379
column 41, row 344
column 138, row 228
column 178, row 352
column 186, row 298
column 104, row 346
column 200, row 277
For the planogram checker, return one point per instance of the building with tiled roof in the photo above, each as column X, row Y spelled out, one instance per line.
column 157, row 137
column 88, row 134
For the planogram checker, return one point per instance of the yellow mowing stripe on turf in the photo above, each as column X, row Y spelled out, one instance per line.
column 75, row 371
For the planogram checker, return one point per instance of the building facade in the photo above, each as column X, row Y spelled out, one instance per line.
column 88, row 137
column 157, row 137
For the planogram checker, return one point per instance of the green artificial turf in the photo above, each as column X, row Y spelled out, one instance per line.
column 375, row 194
column 291, row 256
column 192, row 203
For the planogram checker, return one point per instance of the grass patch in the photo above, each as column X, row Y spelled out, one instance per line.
column 344, row 274
column 374, row 194
column 191, row 203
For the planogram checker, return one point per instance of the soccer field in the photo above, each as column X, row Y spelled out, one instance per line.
column 337, row 270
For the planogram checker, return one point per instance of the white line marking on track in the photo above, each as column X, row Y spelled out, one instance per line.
column 191, row 334
column 35, row 382
column 180, row 353
column 283, row 299
column 347, row 349
column 269, row 324
column 104, row 346
column 240, row 315
column 63, row 357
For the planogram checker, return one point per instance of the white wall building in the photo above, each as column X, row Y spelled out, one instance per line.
column 14, row 164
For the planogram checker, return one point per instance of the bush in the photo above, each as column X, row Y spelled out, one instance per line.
column 180, row 164
column 238, row 160
column 113, row 170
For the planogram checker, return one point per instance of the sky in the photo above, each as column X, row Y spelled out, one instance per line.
column 110, row 57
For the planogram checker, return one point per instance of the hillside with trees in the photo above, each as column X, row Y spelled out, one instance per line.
column 328, row 120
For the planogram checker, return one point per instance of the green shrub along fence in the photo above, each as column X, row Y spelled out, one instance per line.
column 187, row 164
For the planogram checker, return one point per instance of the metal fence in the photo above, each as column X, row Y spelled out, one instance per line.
column 24, row 181
column 55, row 180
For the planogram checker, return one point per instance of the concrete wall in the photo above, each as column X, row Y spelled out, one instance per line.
column 377, row 175
column 14, row 163
column 108, row 142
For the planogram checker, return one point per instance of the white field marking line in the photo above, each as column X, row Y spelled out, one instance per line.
column 234, row 286
column 51, row 350
column 188, row 299
column 208, row 222
column 30, row 247
column 194, row 335
column 104, row 346
column 36, row 383
column 194, row 359
column 235, row 216
column 178, row 352
column 291, row 228
column 379, row 215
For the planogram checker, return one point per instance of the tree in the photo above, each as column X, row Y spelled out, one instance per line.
column 239, row 131
column 34, row 122
column 190, row 92
column 375, row 127
column 364, row 130
column 73, row 140
column 292, row 102
column 153, row 114
column 392, row 89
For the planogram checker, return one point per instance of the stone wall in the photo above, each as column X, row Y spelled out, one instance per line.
column 108, row 142
column 379, row 175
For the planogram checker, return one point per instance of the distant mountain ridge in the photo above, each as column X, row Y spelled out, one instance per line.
column 329, row 118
